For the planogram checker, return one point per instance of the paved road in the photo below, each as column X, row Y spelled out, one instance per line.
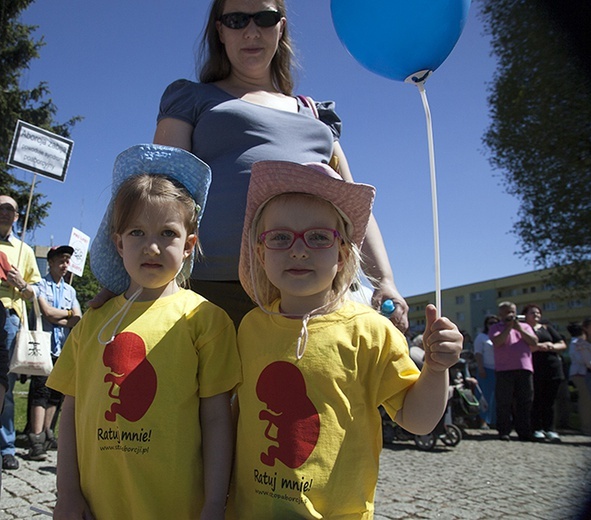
column 481, row 478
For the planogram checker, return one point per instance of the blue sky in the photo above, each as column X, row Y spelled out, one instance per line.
column 110, row 62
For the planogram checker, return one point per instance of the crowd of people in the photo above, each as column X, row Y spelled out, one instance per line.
column 258, row 387
column 521, row 362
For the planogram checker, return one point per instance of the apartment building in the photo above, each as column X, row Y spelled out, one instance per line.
column 467, row 305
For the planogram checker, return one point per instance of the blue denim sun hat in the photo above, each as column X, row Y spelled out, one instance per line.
column 178, row 164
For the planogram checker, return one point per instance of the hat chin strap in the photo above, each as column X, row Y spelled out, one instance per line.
column 303, row 337
column 122, row 312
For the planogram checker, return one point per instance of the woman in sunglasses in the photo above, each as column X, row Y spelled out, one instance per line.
column 243, row 110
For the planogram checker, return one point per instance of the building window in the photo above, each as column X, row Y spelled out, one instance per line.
column 477, row 296
column 574, row 304
column 532, row 289
column 550, row 306
column 525, row 290
column 460, row 317
column 459, row 300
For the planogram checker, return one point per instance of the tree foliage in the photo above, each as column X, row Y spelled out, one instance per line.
column 17, row 49
column 87, row 286
column 540, row 135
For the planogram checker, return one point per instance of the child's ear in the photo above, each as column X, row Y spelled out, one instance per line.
column 118, row 243
column 260, row 252
column 190, row 244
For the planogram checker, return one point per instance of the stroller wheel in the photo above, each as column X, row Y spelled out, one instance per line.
column 452, row 435
column 425, row 442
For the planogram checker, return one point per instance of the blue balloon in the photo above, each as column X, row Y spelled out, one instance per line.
column 399, row 38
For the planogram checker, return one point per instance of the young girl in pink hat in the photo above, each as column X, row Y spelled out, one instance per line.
column 316, row 366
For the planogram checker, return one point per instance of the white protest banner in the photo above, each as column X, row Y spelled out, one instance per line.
column 40, row 151
column 80, row 242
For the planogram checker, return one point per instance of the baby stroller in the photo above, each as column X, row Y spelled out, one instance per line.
column 445, row 431
column 465, row 407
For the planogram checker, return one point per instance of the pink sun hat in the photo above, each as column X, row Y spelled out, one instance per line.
column 269, row 179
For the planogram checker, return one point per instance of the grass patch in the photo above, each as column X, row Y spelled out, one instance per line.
column 21, row 391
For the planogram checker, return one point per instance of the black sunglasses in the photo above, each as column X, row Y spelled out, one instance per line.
column 241, row 20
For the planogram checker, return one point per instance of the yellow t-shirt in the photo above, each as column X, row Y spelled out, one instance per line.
column 137, row 402
column 309, row 431
column 27, row 266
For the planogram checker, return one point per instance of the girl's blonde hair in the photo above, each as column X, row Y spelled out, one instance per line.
column 216, row 65
column 148, row 189
column 266, row 292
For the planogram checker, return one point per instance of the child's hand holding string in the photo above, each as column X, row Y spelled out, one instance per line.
column 442, row 341
column 426, row 399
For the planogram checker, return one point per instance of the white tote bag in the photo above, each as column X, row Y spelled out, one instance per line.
column 32, row 351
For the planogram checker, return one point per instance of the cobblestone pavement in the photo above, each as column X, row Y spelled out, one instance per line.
column 481, row 478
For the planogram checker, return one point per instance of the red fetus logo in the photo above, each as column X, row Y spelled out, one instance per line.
column 132, row 377
column 282, row 388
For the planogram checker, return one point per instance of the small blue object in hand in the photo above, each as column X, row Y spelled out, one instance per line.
column 387, row 308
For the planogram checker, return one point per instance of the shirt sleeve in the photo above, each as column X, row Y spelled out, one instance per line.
column 219, row 363
column 556, row 338
column 31, row 272
column 178, row 101
column 328, row 115
column 63, row 375
column 398, row 371
column 40, row 289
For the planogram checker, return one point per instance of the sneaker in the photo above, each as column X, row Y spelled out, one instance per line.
column 539, row 435
column 552, row 437
column 504, row 437
column 50, row 441
column 9, row 462
column 37, row 450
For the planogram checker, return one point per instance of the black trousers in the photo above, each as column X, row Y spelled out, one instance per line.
column 514, row 393
column 545, row 392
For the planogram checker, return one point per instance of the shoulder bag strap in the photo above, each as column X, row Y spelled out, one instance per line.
column 309, row 102
column 24, row 326
column 38, row 323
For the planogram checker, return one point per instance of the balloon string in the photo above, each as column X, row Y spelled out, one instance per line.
column 421, row 87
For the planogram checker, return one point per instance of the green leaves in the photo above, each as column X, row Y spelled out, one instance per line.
column 539, row 138
column 17, row 49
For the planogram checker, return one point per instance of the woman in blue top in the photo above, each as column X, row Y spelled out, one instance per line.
column 242, row 111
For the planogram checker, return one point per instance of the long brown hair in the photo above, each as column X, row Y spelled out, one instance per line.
column 216, row 66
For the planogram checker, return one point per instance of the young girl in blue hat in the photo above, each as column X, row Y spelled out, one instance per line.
column 146, row 424
column 316, row 366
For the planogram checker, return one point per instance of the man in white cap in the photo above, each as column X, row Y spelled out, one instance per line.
column 61, row 311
